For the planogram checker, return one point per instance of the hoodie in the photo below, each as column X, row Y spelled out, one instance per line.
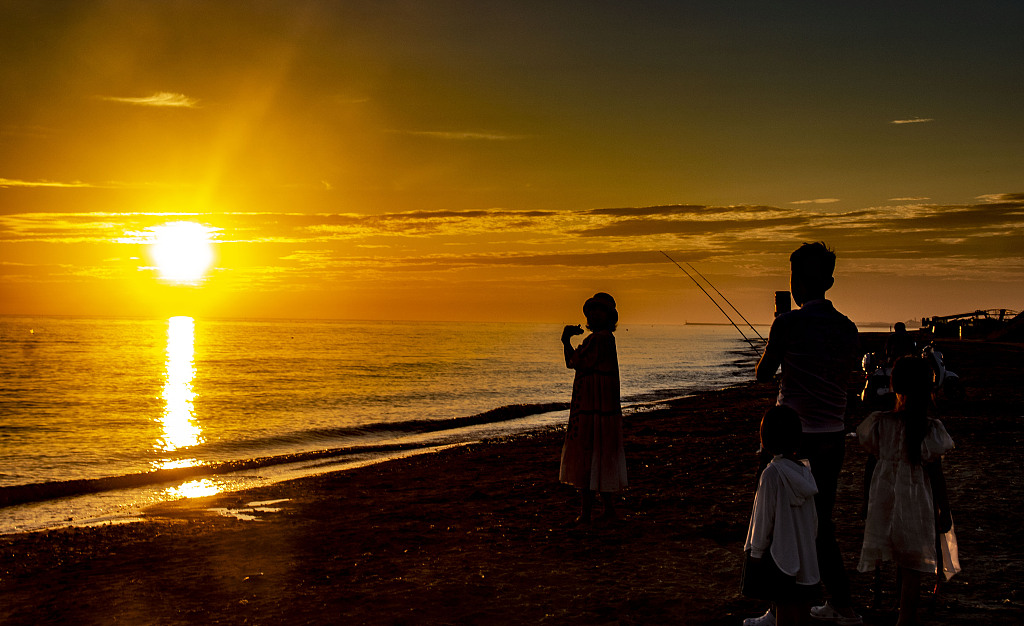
column 784, row 522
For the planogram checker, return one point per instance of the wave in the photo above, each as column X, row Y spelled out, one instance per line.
column 419, row 426
column 37, row 492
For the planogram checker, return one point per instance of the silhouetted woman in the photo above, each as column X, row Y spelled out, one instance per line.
column 593, row 457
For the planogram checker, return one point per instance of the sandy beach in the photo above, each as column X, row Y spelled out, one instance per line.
column 483, row 534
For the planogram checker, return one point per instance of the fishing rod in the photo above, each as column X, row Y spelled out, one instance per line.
column 715, row 302
column 710, row 284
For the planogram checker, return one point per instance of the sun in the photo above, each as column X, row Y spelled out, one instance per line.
column 182, row 251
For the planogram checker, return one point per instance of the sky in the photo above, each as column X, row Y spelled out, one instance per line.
column 503, row 161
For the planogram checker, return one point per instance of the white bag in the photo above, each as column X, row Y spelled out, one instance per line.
column 950, row 554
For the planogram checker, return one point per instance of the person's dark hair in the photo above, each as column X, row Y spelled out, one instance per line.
column 912, row 380
column 780, row 430
column 814, row 263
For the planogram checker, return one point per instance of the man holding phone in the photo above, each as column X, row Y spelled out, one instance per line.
column 817, row 348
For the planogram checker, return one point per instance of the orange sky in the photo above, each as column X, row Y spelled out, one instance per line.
column 503, row 161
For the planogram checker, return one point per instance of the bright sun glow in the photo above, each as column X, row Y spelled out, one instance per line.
column 182, row 251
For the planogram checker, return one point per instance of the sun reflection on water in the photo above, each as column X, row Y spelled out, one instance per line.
column 193, row 489
column 174, row 464
column 180, row 429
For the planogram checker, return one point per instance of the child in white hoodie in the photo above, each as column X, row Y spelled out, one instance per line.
column 782, row 564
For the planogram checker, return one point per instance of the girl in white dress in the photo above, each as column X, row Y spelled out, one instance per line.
column 901, row 522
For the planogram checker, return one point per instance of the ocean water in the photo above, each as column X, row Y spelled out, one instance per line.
column 99, row 417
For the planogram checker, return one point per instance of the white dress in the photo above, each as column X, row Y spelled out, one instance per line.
column 900, row 524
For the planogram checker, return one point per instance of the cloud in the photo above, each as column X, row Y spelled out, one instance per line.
column 913, row 120
column 300, row 228
column 1002, row 197
column 577, row 260
column 32, row 132
column 921, row 199
column 9, row 182
column 647, row 227
column 670, row 209
column 421, row 223
column 459, row 135
column 77, row 184
column 914, row 236
column 817, row 201
column 159, row 99
column 347, row 99
column 908, row 236
column 98, row 227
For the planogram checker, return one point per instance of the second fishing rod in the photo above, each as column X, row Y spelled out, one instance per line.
column 749, row 341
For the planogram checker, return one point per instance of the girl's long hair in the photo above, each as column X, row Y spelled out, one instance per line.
column 912, row 380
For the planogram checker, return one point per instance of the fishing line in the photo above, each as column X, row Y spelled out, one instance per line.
column 715, row 302
column 710, row 284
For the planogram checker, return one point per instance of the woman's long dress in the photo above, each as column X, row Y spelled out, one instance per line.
column 900, row 524
column 593, row 456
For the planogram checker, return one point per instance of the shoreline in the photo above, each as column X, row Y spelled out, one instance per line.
column 12, row 495
column 482, row 533
column 125, row 497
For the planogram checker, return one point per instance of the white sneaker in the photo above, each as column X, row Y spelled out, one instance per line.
column 768, row 619
column 826, row 613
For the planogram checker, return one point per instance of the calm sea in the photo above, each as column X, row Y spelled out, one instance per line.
column 99, row 417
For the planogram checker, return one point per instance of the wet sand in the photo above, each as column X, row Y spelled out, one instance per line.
column 483, row 534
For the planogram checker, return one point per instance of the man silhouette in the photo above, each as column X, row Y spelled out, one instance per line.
column 817, row 348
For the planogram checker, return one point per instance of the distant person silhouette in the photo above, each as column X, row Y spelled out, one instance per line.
column 901, row 516
column 899, row 344
column 817, row 348
column 592, row 457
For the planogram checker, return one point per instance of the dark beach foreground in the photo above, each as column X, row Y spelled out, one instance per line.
column 482, row 534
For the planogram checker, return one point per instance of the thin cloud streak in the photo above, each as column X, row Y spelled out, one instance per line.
column 459, row 135
column 9, row 182
column 1002, row 197
column 913, row 120
column 159, row 99
column 817, row 201
column 77, row 184
column 30, row 132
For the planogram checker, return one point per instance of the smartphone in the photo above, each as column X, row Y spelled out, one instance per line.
column 783, row 304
